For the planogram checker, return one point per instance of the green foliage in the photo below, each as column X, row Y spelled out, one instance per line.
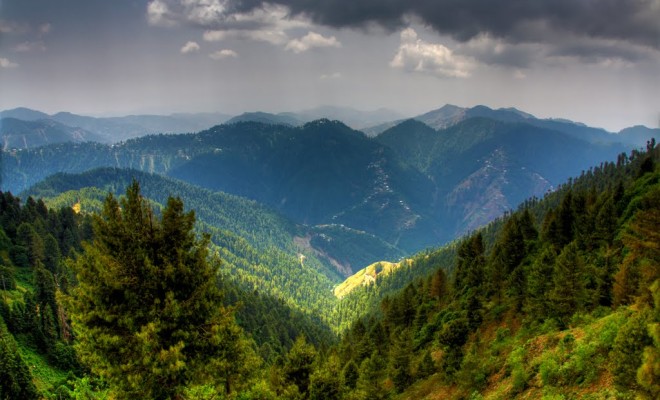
column 256, row 244
column 568, row 294
column 298, row 366
column 146, row 310
column 326, row 382
column 627, row 351
column 15, row 378
column 518, row 290
column 648, row 374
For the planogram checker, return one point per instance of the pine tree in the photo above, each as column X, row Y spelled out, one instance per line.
column 299, row 365
column 15, row 378
column 426, row 366
column 568, row 293
column 325, row 382
column 350, row 375
column 147, row 311
column 400, row 360
column 52, row 254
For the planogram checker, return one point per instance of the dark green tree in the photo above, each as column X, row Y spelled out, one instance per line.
column 325, row 383
column 470, row 264
column 350, row 375
column 52, row 254
column 299, row 365
column 568, row 294
column 28, row 238
column 15, row 379
column 370, row 385
column 426, row 366
column 147, row 311
column 400, row 354
column 47, row 306
column 628, row 349
column 539, row 283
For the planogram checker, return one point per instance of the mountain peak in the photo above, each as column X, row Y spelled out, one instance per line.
column 24, row 113
column 266, row 118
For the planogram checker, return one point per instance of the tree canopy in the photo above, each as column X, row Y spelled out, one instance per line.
column 147, row 311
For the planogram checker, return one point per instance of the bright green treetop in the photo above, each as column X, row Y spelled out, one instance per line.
column 147, row 311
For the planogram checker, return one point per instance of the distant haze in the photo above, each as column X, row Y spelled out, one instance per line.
column 595, row 62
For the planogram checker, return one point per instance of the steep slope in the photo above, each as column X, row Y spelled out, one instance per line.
column 412, row 187
column 36, row 347
column 322, row 172
column 332, row 249
column 562, row 305
column 483, row 167
column 249, row 237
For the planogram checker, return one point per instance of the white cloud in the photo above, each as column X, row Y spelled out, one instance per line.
column 416, row 55
column 159, row 14
column 190, row 47
column 310, row 41
column 268, row 23
column 5, row 63
column 223, row 54
column 204, row 12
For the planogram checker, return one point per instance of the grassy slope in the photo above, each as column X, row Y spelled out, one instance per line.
column 541, row 363
column 366, row 276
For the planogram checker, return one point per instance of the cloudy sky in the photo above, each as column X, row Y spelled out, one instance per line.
column 593, row 61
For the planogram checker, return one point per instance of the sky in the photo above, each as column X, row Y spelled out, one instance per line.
column 591, row 61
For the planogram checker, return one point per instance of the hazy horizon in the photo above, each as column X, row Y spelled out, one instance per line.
column 596, row 63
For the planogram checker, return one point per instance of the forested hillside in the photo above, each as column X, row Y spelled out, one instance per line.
column 256, row 245
column 36, row 350
column 560, row 299
column 412, row 187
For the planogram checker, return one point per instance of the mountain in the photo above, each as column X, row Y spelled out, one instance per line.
column 483, row 167
column 638, row 135
column 450, row 115
column 28, row 294
column 266, row 118
column 19, row 134
column 24, row 114
column 116, row 129
column 320, row 173
column 558, row 297
column 356, row 119
column 335, row 249
column 443, row 117
column 412, row 187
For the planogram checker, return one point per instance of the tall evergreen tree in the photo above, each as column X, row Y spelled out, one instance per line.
column 299, row 365
column 568, row 293
column 147, row 311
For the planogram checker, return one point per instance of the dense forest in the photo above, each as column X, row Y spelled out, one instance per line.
column 559, row 299
column 40, row 248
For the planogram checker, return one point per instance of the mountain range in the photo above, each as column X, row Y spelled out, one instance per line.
column 411, row 187
column 104, row 130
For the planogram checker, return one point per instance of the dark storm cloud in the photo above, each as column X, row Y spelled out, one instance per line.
column 633, row 21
